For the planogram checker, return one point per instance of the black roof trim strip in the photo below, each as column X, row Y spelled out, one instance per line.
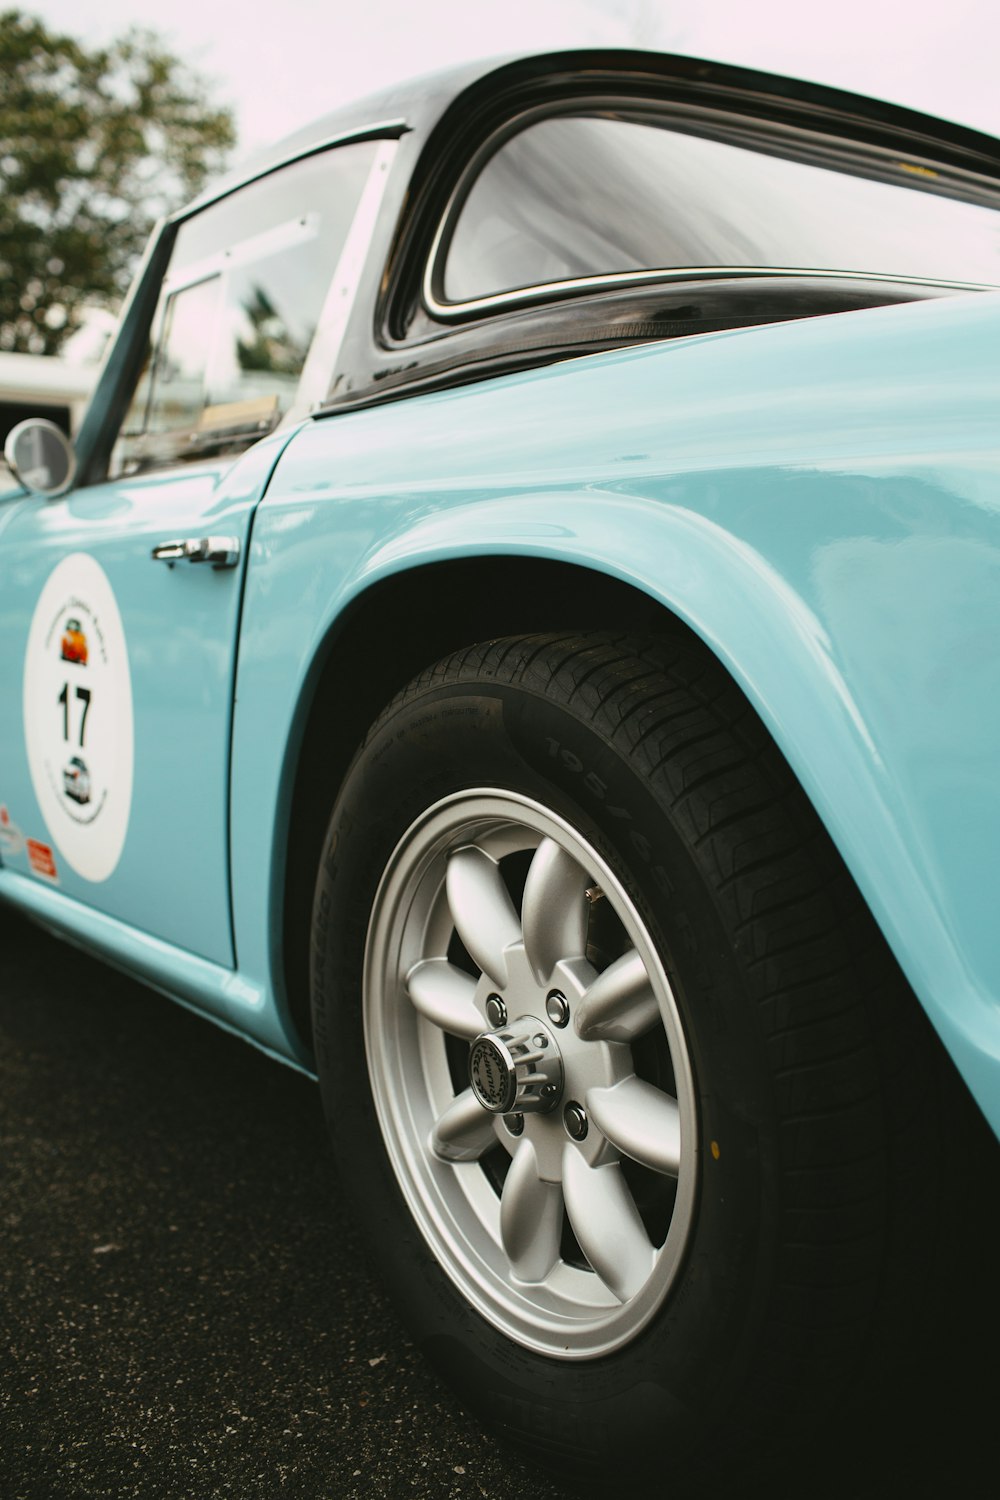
column 383, row 130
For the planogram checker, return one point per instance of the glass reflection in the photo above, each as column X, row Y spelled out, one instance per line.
column 584, row 196
column 246, row 287
column 179, row 375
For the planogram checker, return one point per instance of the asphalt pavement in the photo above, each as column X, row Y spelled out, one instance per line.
column 185, row 1308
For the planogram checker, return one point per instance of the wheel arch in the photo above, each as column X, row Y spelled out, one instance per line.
column 706, row 584
column 364, row 660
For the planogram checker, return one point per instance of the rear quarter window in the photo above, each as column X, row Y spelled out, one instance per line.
column 579, row 197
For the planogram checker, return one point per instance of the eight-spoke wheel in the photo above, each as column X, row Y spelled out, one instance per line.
column 550, row 1166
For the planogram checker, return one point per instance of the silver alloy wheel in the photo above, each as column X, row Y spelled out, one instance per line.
column 564, row 1224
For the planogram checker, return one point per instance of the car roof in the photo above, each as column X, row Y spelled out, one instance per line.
column 412, row 104
column 417, row 104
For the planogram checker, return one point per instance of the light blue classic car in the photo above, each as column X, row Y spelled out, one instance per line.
column 532, row 575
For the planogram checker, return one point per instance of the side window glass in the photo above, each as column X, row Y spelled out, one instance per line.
column 181, row 373
column 240, row 304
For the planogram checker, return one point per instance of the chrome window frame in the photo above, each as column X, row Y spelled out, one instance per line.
column 717, row 124
column 320, row 367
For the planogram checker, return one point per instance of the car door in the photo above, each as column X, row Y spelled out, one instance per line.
column 119, row 602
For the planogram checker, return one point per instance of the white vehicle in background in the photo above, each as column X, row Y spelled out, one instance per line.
column 55, row 386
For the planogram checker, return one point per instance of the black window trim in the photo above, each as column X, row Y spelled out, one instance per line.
column 389, row 130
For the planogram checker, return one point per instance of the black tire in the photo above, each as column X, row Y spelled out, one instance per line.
column 815, row 1156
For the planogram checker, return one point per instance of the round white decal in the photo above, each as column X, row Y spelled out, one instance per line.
column 78, row 716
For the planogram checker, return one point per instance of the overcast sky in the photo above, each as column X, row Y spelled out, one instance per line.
column 281, row 65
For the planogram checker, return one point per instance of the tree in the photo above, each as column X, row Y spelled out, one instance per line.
column 271, row 346
column 94, row 146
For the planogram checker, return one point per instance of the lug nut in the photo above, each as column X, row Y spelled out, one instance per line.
column 575, row 1120
column 541, row 1042
column 557, row 1007
column 496, row 1011
column 514, row 1123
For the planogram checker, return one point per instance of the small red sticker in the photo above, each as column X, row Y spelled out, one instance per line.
column 41, row 859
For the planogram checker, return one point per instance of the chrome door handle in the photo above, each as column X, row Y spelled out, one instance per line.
column 220, row 551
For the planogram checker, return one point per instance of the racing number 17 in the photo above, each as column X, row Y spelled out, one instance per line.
column 82, row 696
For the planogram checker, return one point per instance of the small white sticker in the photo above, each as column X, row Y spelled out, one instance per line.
column 11, row 837
column 78, row 716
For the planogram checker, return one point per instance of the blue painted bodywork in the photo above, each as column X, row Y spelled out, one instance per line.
column 818, row 500
column 181, row 628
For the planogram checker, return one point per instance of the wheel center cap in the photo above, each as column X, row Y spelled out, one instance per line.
column 492, row 1074
column 516, row 1068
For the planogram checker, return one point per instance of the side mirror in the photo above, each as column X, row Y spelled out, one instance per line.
column 40, row 456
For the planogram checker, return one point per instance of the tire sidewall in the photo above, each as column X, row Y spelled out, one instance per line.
column 677, row 1380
